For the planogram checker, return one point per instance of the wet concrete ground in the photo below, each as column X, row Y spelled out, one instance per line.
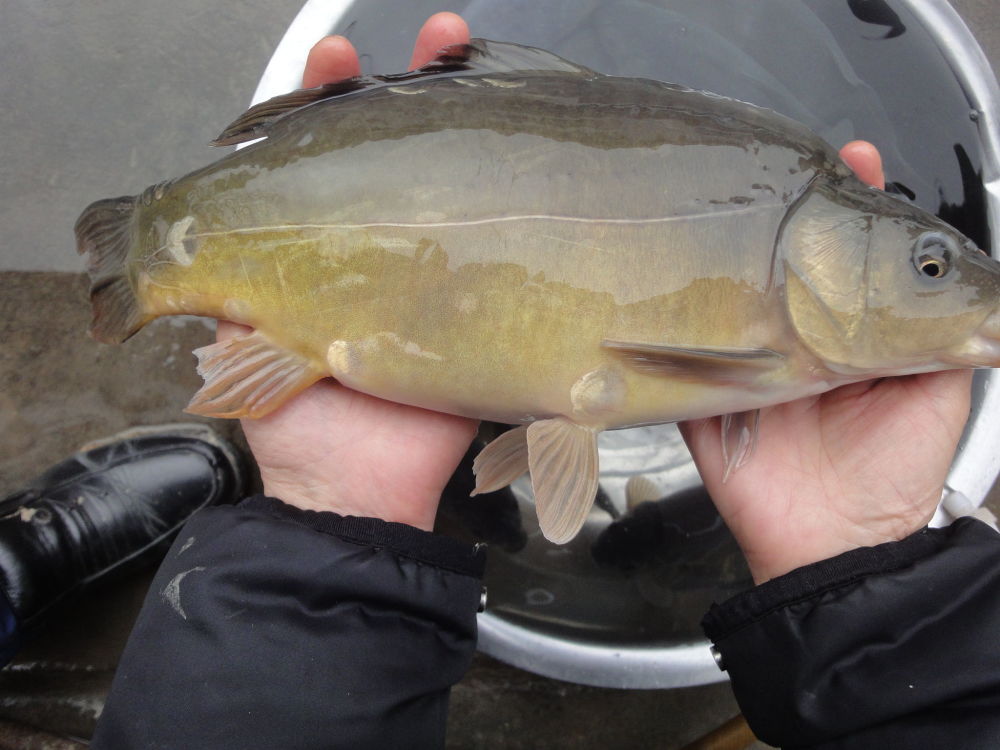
column 104, row 98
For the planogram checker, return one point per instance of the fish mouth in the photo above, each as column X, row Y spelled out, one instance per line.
column 983, row 349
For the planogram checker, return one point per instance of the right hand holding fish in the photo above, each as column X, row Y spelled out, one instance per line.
column 335, row 449
column 853, row 467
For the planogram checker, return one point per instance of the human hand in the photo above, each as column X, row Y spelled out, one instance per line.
column 854, row 467
column 331, row 448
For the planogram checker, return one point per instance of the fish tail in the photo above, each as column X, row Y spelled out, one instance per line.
column 104, row 237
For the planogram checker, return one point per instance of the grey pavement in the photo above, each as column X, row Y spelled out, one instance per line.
column 107, row 97
column 104, row 98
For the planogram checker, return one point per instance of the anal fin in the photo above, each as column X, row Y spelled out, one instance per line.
column 249, row 376
column 502, row 461
column 562, row 457
column 739, row 438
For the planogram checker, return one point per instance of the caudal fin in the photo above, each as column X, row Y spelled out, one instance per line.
column 103, row 237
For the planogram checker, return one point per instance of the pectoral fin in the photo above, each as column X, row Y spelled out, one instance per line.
column 562, row 457
column 249, row 376
column 708, row 364
column 739, row 438
column 502, row 461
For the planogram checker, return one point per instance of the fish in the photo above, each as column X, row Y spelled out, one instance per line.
column 506, row 235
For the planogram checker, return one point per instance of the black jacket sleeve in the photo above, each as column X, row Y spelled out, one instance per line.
column 894, row 646
column 271, row 627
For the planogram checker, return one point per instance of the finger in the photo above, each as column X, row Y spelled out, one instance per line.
column 440, row 30
column 332, row 58
column 865, row 160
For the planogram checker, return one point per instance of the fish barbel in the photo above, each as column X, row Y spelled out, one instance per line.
column 506, row 235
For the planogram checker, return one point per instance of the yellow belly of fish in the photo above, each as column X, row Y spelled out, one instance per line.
column 398, row 318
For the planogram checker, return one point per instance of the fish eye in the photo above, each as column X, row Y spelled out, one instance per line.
column 932, row 255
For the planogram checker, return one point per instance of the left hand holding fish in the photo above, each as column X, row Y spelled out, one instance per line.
column 336, row 449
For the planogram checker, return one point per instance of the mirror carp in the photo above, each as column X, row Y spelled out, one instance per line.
column 506, row 235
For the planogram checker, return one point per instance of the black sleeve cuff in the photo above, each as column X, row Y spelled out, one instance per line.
column 407, row 541
column 893, row 645
column 272, row 627
column 813, row 580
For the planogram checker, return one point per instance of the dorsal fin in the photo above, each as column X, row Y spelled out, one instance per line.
column 255, row 121
column 481, row 56
column 478, row 57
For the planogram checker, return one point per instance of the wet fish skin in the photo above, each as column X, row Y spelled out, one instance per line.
column 541, row 246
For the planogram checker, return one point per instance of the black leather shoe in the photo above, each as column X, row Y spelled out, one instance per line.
column 113, row 505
